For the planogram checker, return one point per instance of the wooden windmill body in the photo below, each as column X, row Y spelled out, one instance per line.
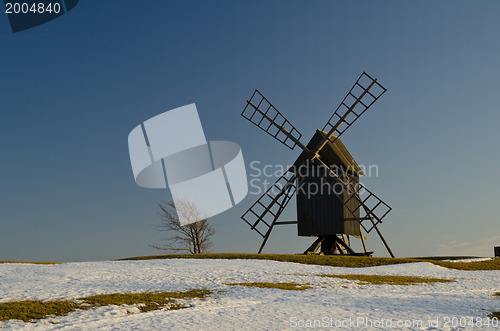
column 331, row 203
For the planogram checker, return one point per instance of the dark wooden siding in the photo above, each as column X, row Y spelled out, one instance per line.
column 319, row 210
column 351, row 226
column 324, row 213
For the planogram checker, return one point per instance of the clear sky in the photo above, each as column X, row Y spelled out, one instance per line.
column 71, row 91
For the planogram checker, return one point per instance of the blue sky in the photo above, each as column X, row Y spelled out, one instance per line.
column 72, row 89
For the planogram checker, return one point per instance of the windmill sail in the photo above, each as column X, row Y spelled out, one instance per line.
column 360, row 97
column 266, row 210
column 263, row 114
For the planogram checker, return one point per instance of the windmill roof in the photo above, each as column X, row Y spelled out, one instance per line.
column 338, row 148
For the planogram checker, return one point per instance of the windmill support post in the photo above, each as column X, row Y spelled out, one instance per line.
column 363, row 241
column 315, row 245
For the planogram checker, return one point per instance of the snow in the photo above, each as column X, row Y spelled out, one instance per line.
column 330, row 301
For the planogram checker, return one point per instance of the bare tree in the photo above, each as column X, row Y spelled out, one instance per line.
column 194, row 238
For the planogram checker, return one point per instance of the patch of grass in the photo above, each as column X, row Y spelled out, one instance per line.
column 29, row 310
column 493, row 264
column 389, row 279
column 147, row 301
column 42, row 262
column 281, row 286
column 330, row 260
column 34, row 309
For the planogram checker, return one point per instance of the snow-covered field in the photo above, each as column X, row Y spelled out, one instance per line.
column 332, row 302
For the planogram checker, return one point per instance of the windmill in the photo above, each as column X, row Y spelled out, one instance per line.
column 331, row 215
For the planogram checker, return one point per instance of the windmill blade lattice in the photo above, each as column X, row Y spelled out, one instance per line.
column 263, row 114
column 374, row 207
column 360, row 97
column 266, row 210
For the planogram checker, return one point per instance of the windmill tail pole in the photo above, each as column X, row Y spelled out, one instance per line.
column 383, row 240
column 265, row 240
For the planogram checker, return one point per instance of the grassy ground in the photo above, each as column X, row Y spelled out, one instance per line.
column 30, row 310
column 336, row 261
column 388, row 279
column 281, row 286
column 30, row 262
column 440, row 258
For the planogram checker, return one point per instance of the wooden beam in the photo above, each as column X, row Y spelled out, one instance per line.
column 340, row 248
column 314, row 247
column 363, row 239
column 347, row 247
column 285, row 222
